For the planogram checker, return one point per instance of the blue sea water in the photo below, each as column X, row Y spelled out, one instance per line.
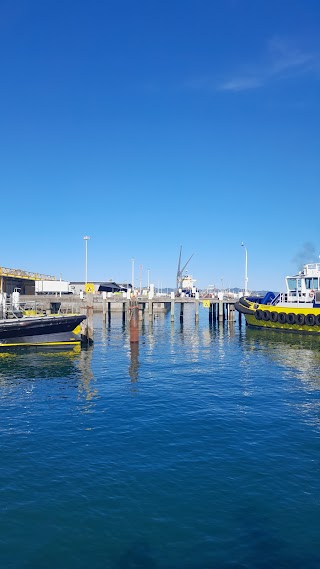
column 199, row 448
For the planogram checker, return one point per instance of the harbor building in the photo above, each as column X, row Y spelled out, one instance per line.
column 11, row 279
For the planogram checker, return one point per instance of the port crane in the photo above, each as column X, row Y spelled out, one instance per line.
column 180, row 270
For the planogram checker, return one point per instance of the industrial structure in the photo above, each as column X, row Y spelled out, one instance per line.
column 11, row 279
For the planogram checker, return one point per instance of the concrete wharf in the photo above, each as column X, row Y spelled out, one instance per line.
column 218, row 310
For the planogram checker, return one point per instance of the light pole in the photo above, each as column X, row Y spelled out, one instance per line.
column 246, row 270
column 132, row 274
column 86, row 239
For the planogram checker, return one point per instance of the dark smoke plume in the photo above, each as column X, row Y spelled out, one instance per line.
column 307, row 254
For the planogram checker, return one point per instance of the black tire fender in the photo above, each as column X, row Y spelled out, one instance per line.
column 282, row 317
column 273, row 316
column 310, row 320
column 265, row 315
column 290, row 318
column 300, row 319
column 258, row 314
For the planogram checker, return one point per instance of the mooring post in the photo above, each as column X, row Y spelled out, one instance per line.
column 231, row 312
column 210, row 312
column 172, row 307
column 197, row 307
column 104, row 306
column 150, row 303
column 87, row 329
column 221, row 307
column 181, row 311
column 134, row 320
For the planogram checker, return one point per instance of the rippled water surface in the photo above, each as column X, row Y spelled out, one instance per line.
column 197, row 449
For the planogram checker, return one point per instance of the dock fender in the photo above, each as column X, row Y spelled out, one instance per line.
column 282, row 317
column 300, row 319
column 290, row 318
column 310, row 320
column 265, row 315
column 243, row 309
column 317, row 320
column 273, row 316
column 258, row 314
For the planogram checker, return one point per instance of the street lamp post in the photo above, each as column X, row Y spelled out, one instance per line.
column 86, row 239
column 246, row 270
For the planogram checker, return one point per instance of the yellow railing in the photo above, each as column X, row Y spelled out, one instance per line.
column 20, row 274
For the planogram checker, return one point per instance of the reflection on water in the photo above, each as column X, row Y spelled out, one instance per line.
column 21, row 365
column 134, row 361
column 34, row 363
column 86, row 378
column 299, row 357
column 299, row 353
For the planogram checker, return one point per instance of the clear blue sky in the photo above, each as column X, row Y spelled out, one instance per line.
column 152, row 124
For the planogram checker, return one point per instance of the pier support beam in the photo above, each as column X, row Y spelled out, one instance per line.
column 87, row 325
column 172, row 311
column 104, row 308
column 197, row 308
column 221, row 311
column 150, row 309
column 134, row 320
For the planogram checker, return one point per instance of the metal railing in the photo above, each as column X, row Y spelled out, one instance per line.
column 21, row 274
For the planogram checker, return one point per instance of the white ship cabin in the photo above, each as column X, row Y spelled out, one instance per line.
column 188, row 282
column 304, row 287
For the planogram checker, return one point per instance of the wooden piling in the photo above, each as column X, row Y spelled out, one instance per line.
column 150, row 309
column 104, row 310
column 172, row 310
column 181, row 311
column 221, row 311
column 87, row 328
column 134, row 320
column 197, row 310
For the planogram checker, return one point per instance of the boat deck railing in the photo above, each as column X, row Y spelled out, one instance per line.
column 293, row 296
column 35, row 308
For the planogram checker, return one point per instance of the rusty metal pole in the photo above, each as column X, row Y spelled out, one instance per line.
column 134, row 320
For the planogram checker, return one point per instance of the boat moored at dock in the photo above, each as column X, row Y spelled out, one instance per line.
column 296, row 310
column 54, row 330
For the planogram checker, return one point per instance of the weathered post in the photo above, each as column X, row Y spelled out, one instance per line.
column 197, row 307
column 172, row 307
column 134, row 320
column 231, row 312
column 181, row 311
column 87, row 325
column 150, row 303
column 104, row 306
column 221, row 307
